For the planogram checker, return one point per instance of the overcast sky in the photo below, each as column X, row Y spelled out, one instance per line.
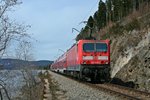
column 52, row 22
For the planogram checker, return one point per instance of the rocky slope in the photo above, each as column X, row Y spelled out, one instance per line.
column 130, row 55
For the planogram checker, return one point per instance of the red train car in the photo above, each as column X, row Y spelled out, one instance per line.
column 60, row 64
column 87, row 59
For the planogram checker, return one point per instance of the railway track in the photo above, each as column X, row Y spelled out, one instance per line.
column 121, row 91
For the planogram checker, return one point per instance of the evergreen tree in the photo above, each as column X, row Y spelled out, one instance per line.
column 112, row 10
column 109, row 10
column 116, row 8
column 95, row 17
column 90, row 22
column 101, row 15
column 137, row 3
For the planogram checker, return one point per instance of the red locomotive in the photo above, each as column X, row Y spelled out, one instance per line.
column 87, row 59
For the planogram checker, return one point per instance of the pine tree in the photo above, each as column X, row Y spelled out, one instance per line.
column 101, row 15
column 90, row 22
column 116, row 8
column 109, row 10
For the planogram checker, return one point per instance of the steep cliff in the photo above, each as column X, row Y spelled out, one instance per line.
column 130, row 55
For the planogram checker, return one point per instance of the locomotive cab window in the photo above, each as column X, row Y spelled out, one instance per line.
column 101, row 47
column 95, row 47
column 88, row 47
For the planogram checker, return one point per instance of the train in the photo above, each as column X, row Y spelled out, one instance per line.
column 87, row 60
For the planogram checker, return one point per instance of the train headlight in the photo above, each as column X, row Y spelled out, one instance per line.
column 84, row 62
column 106, row 62
column 102, row 57
column 88, row 57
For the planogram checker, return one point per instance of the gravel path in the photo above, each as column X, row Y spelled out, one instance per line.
column 77, row 91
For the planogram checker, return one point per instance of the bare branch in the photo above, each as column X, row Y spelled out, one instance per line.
column 9, row 30
column 3, row 87
column 1, row 95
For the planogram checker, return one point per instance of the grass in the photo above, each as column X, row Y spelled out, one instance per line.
column 54, row 87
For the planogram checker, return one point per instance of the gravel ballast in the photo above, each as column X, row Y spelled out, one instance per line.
column 73, row 90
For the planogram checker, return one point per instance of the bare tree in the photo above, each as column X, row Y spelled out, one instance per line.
column 9, row 30
column 2, row 87
column 24, row 51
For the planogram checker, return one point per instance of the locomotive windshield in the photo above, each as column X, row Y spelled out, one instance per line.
column 95, row 47
column 101, row 47
column 88, row 47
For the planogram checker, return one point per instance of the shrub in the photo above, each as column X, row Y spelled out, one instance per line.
column 133, row 25
column 116, row 29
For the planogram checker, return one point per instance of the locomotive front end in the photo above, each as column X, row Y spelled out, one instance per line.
column 95, row 60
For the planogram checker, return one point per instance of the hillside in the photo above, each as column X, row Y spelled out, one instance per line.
column 130, row 55
column 129, row 35
column 19, row 64
column 106, row 20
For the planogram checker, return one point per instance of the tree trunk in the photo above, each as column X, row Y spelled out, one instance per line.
column 1, row 95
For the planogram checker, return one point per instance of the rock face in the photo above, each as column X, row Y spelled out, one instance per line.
column 130, row 57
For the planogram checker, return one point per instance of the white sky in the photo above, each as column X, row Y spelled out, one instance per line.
column 52, row 22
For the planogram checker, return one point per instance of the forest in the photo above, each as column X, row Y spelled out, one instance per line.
column 110, row 13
